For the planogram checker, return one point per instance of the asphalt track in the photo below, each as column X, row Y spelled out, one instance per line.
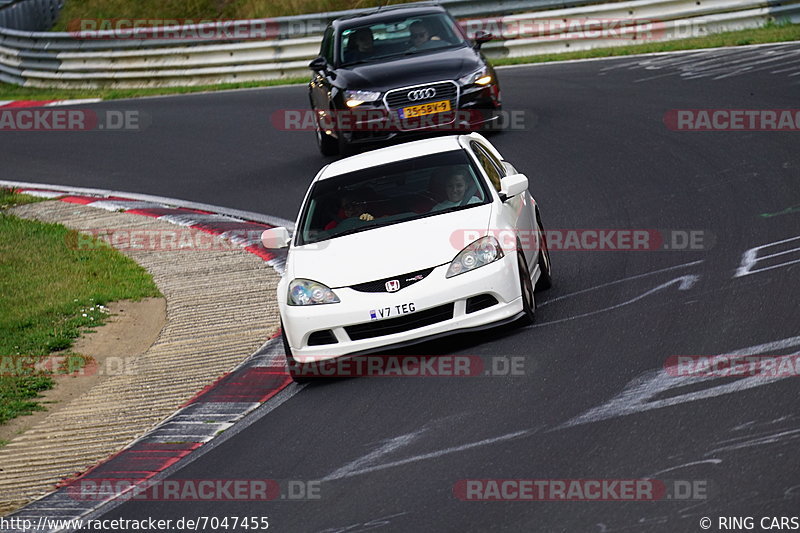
column 598, row 155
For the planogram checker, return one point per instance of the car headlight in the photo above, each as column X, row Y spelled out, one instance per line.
column 479, row 77
column 480, row 253
column 307, row 292
column 356, row 98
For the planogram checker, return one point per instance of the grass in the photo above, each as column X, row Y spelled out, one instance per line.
column 773, row 32
column 49, row 293
column 200, row 9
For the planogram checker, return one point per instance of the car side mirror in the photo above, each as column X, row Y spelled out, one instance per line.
column 513, row 185
column 276, row 238
column 319, row 63
column 481, row 38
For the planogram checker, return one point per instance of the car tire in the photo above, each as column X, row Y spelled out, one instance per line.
column 328, row 146
column 295, row 368
column 545, row 280
column 526, row 290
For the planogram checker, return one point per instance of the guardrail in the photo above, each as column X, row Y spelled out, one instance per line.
column 214, row 53
column 29, row 15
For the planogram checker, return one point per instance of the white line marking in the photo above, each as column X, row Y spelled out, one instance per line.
column 684, row 284
column 750, row 258
column 351, row 469
column 640, row 393
column 684, row 465
column 629, row 278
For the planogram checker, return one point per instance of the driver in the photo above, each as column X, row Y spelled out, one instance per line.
column 421, row 38
column 352, row 206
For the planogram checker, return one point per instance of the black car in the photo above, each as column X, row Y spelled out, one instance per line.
column 399, row 70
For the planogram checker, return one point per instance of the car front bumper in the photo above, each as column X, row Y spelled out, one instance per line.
column 477, row 107
column 431, row 298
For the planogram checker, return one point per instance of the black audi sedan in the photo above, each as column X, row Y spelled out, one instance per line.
column 396, row 71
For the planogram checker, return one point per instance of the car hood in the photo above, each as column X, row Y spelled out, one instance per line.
column 448, row 64
column 388, row 251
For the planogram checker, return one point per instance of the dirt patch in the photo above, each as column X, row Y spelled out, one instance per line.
column 130, row 330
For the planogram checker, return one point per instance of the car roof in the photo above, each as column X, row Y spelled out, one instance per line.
column 391, row 154
column 386, row 13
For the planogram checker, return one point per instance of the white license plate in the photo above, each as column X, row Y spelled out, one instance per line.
column 392, row 311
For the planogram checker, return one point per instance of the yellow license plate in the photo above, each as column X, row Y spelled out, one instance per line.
column 425, row 109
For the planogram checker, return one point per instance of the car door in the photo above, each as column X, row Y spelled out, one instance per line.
column 320, row 85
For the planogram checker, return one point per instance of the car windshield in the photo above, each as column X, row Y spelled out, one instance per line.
column 402, row 36
column 391, row 194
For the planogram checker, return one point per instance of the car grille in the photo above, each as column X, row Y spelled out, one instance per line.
column 404, row 279
column 408, row 322
column 445, row 90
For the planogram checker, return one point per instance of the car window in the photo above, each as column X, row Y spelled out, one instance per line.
column 493, row 168
column 391, row 194
column 397, row 37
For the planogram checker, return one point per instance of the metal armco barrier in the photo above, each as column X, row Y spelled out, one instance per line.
column 29, row 15
column 282, row 47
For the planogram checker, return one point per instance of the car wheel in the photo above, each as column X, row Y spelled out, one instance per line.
column 295, row 368
column 545, row 280
column 526, row 290
column 327, row 145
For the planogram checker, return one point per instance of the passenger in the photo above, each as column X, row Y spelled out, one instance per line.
column 455, row 189
column 360, row 46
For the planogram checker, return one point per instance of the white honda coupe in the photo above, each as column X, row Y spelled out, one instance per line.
column 405, row 244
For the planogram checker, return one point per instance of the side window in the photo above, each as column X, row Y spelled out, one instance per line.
column 490, row 165
column 326, row 50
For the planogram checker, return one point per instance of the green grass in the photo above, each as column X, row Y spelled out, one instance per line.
column 200, row 9
column 49, row 293
column 771, row 33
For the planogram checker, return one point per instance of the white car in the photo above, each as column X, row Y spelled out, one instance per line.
column 405, row 244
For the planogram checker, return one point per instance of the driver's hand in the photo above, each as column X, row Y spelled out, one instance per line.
column 366, row 217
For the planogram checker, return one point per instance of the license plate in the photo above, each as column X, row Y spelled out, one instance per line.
column 425, row 109
column 391, row 311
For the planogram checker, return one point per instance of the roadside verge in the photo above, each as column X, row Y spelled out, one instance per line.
column 220, row 310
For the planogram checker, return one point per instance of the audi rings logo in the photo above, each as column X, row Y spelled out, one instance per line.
column 421, row 94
